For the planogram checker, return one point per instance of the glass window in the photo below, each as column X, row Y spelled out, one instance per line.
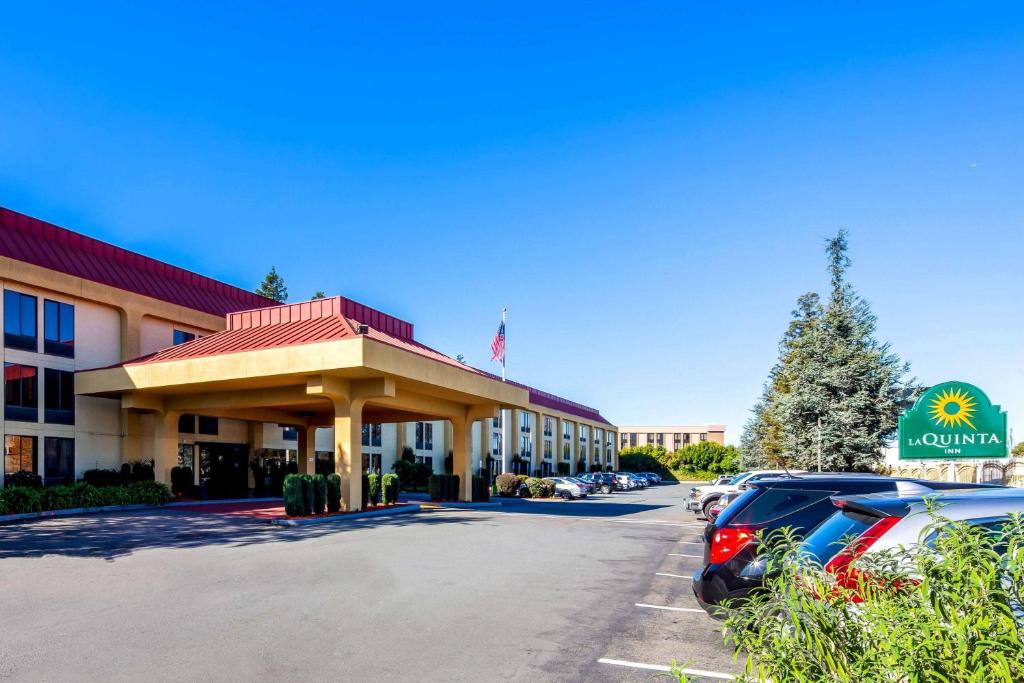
column 187, row 423
column 496, row 444
column 58, row 328
column 525, row 447
column 19, row 455
column 366, row 435
column 547, row 450
column 661, row 439
column 21, row 392
column 290, row 433
column 565, row 452
column 632, row 439
column 419, row 435
column 376, row 434
column 703, row 437
column 58, row 461
column 19, row 321
column 208, row 425
column 59, row 396
column 524, row 422
column 180, row 337
column 547, row 426
column 186, row 456
column 428, row 436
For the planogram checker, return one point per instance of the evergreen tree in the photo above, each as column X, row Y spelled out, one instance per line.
column 273, row 287
column 319, row 295
column 835, row 385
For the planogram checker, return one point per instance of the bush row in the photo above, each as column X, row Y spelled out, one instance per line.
column 311, row 494
column 443, row 487
column 520, row 484
column 20, row 499
column 705, row 456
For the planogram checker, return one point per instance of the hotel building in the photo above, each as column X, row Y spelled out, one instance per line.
column 112, row 357
column 671, row 438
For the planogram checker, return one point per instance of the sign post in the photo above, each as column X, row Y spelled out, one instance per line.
column 953, row 421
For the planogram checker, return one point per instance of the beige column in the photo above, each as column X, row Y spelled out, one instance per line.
column 449, row 435
column 131, row 333
column 254, row 436
column 462, row 461
column 307, row 450
column 348, row 450
column 165, row 444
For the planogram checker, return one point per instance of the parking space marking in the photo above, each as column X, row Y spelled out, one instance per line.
column 669, row 609
column 692, row 542
column 674, row 576
column 661, row 667
column 699, row 557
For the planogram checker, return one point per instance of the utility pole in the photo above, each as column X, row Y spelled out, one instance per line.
column 819, row 444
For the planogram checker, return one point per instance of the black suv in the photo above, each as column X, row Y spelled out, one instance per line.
column 731, row 568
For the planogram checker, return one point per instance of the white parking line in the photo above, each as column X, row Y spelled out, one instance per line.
column 674, row 576
column 692, row 542
column 670, row 609
column 699, row 557
column 662, row 667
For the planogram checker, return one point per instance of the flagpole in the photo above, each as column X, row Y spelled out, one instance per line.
column 504, row 313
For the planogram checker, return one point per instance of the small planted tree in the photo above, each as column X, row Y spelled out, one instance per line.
column 507, row 484
column 333, row 493
column 319, row 483
column 294, row 504
column 373, row 482
column 389, row 486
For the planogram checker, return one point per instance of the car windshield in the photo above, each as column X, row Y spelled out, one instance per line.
column 739, row 478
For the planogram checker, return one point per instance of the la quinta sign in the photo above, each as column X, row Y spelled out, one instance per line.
column 953, row 420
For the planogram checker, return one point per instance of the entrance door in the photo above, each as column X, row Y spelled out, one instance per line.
column 222, row 469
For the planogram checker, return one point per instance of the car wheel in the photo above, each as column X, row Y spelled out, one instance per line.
column 566, row 495
column 606, row 489
column 706, row 509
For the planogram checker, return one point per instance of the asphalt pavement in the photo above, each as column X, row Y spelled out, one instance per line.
column 592, row 590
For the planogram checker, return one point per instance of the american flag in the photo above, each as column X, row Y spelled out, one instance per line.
column 498, row 345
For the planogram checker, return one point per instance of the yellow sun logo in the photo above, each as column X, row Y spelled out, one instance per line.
column 953, row 408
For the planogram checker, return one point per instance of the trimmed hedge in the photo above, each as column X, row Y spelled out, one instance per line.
column 445, row 486
column 389, row 486
column 333, row 493
column 481, row 491
column 20, row 499
column 319, row 493
column 364, row 492
column 294, row 505
column 540, row 488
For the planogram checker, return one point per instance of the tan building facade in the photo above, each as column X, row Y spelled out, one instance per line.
column 671, row 438
column 111, row 357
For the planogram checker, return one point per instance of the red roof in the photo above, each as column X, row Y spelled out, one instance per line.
column 332, row 319
column 28, row 239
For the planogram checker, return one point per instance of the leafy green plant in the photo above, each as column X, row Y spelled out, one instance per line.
column 364, row 492
column 389, row 486
column 435, row 486
column 507, row 484
column 23, row 499
column 948, row 609
column 481, row 491
column 373, row 482
column 294, row 499
column 536, row 486
column 333, row 493
column 319, row 493
column 453, row 486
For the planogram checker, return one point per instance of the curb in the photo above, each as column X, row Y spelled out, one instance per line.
column 401, row 509
column 453, row 505
column 68, row 512
column 229, row 501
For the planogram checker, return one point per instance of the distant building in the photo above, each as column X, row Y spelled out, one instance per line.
column 671, row 438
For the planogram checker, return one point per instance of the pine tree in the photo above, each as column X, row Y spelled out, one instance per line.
column 273, row 287
column 319, row 295
column 835, row 384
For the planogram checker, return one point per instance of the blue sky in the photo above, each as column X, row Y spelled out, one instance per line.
column 645, row 186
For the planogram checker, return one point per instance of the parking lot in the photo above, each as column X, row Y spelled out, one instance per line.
column 535, row 590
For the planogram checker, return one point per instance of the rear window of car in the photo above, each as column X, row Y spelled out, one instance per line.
column 776, row 503
column 835, row 533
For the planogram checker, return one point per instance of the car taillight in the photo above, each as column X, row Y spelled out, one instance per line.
column 728, row 541
column 841, row 565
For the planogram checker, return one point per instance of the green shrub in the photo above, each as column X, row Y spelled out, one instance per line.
column 148, row 493
column 548, row 489
column 389, row 485
column 507, row 484
column 373, row 482
column 98, row 477
column 364, row 492
column 945, row 610
column 536, row 487
column 294, row 505
column 481, row 491
column 453, row 486
column 333, row 493
column 22, row 499
column 435, row 486
column 319, row 493
column 18, row 499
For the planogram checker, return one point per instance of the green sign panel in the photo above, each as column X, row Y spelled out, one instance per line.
column 953, row 420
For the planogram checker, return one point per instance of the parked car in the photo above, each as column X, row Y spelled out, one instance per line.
column 731, row 569
column 722, row 479
column 586, row 486
column 651, row 478
column 701, row 498
column 638, row 480
column 604, row 482
column 567, row 490
column 863, row 525
column 624, row 482
column 721, row 504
